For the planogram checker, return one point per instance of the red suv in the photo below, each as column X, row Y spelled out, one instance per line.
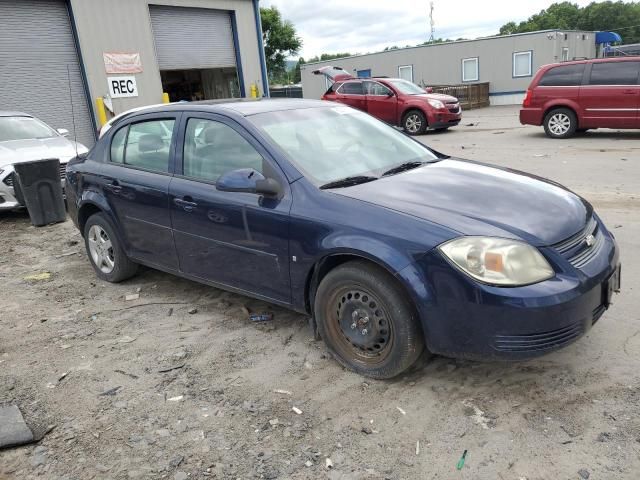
column 575, row 96
column 393, row 100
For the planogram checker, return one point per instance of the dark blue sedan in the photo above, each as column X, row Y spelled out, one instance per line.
column 387, row 244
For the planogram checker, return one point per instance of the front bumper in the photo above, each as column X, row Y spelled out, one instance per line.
column 444, row 118
column 466, row 319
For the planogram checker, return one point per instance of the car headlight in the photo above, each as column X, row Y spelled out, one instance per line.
column 435, row 103
column 498, row 261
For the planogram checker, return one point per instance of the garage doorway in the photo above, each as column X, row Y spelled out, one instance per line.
column 200, row 84
column 197, row 53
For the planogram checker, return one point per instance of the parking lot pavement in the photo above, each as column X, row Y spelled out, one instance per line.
column 145, row 389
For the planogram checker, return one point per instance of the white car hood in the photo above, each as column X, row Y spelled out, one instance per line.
column 19, row 151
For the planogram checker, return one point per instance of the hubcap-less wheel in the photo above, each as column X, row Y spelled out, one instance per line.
column 101, row 249
column 360, row 325
column 413, row 123
column 559, row 123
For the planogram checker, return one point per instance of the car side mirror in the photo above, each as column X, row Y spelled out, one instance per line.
column 63, row 131
column 390, row 94
column 248, row 180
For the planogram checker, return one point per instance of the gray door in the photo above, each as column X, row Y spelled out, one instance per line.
column 37, row 58
column 192, row 38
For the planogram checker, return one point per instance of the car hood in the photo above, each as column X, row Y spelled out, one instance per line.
column 437, row 96
column 476, row 199
column 18, row 151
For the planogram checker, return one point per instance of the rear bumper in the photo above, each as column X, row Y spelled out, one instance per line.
column 465, row 319
column 531, row 116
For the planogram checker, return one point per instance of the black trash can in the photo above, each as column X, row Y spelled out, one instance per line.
column 38, row 187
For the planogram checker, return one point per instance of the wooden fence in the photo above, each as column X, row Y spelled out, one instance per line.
column 472, row 95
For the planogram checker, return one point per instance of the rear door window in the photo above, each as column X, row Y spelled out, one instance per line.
column 614, row 73
column 149, row 144
column 352, row 88
column 563, row 76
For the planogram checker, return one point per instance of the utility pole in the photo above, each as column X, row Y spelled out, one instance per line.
column 433, row 24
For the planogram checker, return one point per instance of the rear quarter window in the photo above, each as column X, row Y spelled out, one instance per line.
column 563, row 76
column 352, row 88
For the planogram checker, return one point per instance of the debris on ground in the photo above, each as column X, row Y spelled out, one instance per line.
column 366, row 430
column 66, row 254
column 110, row 392
column 401, row 411
column 133, row 296
column 584, row 473
column 460, row 463
column 13, row 429
column 328, row 463
column 192, row 311
column 296, row 410
column 282, row 392
column 261, row 317
column 170, row 369
column 38, row 277
column 175, row 399
column 418, row 447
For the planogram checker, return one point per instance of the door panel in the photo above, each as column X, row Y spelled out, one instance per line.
column 135, row 182
column 352, row 94
column 231, row 238
column 381, row 102
column 612, row 95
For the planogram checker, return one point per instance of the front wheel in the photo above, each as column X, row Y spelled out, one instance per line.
column 560, row 123
column 105, row 252
column 414, row 122
column 366, row 321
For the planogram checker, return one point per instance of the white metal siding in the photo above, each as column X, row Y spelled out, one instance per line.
column 37, row 49
column 188, row 38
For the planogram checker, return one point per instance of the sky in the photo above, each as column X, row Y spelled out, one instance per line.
column 361, row 26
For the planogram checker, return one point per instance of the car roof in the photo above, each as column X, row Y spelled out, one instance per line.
column 242, row 106
column 8, row 113
column 629, row 58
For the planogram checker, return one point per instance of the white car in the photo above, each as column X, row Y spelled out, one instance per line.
column 24, row 138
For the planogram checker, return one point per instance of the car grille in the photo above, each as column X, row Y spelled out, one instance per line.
column 575, row 248
column 538, row 341
column 10, row 179
column 453, row 107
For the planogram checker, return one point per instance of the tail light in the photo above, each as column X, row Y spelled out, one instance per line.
column 527, row 98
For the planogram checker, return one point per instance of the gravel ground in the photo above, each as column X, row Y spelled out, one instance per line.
column 150, row 388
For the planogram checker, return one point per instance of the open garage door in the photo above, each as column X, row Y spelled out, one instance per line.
column 37, row 58
column 196, row 52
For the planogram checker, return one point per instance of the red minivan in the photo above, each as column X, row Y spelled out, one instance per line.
column 393, row 100
column 575, row 96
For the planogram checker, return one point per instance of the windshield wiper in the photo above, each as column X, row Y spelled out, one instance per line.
column 404, row 167
column 349, row 181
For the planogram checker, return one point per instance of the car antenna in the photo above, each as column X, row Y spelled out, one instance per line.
column 73, row 114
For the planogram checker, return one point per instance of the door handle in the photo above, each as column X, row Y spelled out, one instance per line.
column 186, row 205
column 113, row 187
column 629, row 92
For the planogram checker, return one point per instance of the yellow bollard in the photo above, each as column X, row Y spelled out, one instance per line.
column 102, row 113
column 254, row 91
column 165, row 97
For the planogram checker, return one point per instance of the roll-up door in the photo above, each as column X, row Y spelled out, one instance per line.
column 40, row 70
column 192, row 38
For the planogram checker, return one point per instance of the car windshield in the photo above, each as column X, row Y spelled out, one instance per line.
column 23, row 128
column 330, row 144
column 407, row 87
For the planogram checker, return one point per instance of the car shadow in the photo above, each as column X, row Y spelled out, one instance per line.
column 599, row 134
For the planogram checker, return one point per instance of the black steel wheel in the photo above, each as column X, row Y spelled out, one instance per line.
column 366, row 321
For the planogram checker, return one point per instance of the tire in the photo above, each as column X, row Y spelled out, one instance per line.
column 560, row 123
column 414, row 122
column 347, row 300
column 105, row 252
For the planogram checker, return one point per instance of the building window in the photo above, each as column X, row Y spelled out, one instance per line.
column 363, row 73
column 522, row 64
column 470, row 71
column 565, row 54
column 405, row 72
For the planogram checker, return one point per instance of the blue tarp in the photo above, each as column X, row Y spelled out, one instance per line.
column 607, row 37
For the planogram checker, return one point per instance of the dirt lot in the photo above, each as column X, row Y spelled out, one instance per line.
column 145, row 389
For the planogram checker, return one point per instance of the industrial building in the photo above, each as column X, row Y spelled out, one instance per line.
column 506, row 62
column 57, row 57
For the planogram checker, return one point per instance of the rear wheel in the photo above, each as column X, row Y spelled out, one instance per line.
column 414, row 122
column 560, row 123
column 105, row 252
column 366, row 321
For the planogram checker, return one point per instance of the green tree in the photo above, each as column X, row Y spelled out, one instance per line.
column 297, row 77
column 619, row 16
column 280, row 41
